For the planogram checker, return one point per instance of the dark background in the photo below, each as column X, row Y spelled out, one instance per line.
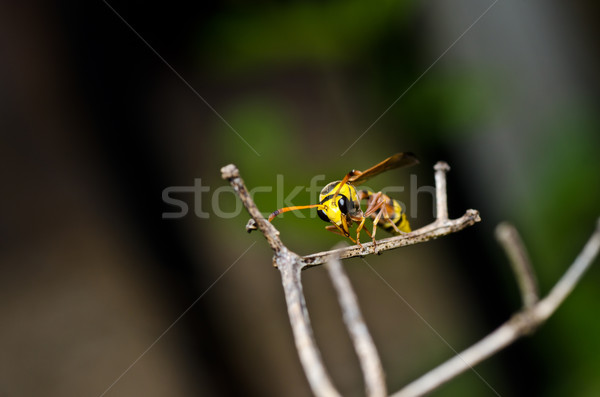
column 94, row 126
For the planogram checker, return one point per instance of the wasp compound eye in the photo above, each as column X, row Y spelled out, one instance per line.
column 344, row 205
column 322, row 215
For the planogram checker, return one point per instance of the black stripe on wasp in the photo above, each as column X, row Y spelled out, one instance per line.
column 339, row 202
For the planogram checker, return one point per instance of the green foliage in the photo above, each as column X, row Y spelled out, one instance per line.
column 552, row 197
column 564, row 188
column 298, row 32
column 446, row 106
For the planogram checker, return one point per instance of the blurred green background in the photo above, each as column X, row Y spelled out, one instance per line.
column 100, row 113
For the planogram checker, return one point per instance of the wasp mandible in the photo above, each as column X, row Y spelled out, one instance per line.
column 339, row 202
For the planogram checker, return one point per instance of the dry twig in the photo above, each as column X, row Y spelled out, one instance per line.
column 508, row 237
column 290, row 266
column 432, row 231
column 520, row 324
column 440, row 227
column 534, row 313
column 361, row 338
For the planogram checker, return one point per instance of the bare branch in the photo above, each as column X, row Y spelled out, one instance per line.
column 426, row 233
column 523, row 323
column 289, row 265
column 565, row 285
column 441, row 198
column 440, row 227
column 361, row 338
column 510, row 240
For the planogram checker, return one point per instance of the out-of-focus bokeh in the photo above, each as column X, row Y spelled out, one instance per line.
column 116, row 117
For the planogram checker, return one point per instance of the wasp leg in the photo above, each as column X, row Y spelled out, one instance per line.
column 359, row 228
column 375, row 222
column 387, row 218
column 376, row 203
column 336, row 230
column 360, row 219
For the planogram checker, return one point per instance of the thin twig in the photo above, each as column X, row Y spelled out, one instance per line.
column 438, row 228
column 566, row 284
column 289, row 265
column 361, row 338
column 232, row 174
column 426, row 233
column 509, row 238
column 441, row 198
column 523, row 323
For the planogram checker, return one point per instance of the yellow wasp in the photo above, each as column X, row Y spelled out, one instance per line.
column 339, row 202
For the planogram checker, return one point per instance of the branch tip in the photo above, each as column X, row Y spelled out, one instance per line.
column 502, row 231
column 251, row 225
column 474, row 215
column 230, row 171
column 508, row 237
column 441, row 166
column 441, row 198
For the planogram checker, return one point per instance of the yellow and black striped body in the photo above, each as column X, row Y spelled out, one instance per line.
column 344, row 203
column 394, row 211
column 339, row 202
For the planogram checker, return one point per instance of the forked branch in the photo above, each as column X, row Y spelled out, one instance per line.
column 440, row 227
column 290, row 266
column 432, row 231
column 525, row 322
column 361, row 338
column 534, row 313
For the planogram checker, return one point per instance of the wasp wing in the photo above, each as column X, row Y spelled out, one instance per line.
column 396, row 161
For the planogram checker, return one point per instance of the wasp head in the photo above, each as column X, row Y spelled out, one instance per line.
column 335, row 204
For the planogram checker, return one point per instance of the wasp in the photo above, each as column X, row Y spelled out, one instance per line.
column 339, row 202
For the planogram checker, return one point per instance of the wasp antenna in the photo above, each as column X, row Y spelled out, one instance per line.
column 273, row 215
column 286, row 209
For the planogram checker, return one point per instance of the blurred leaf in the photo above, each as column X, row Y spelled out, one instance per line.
column 295, row 32
column 565, row 188
column 265, row 126
column 449, row 105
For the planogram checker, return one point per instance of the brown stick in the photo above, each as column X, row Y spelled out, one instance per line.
column 520, row 324
column 361, row 338
column 426, row 233
column 290, row 266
